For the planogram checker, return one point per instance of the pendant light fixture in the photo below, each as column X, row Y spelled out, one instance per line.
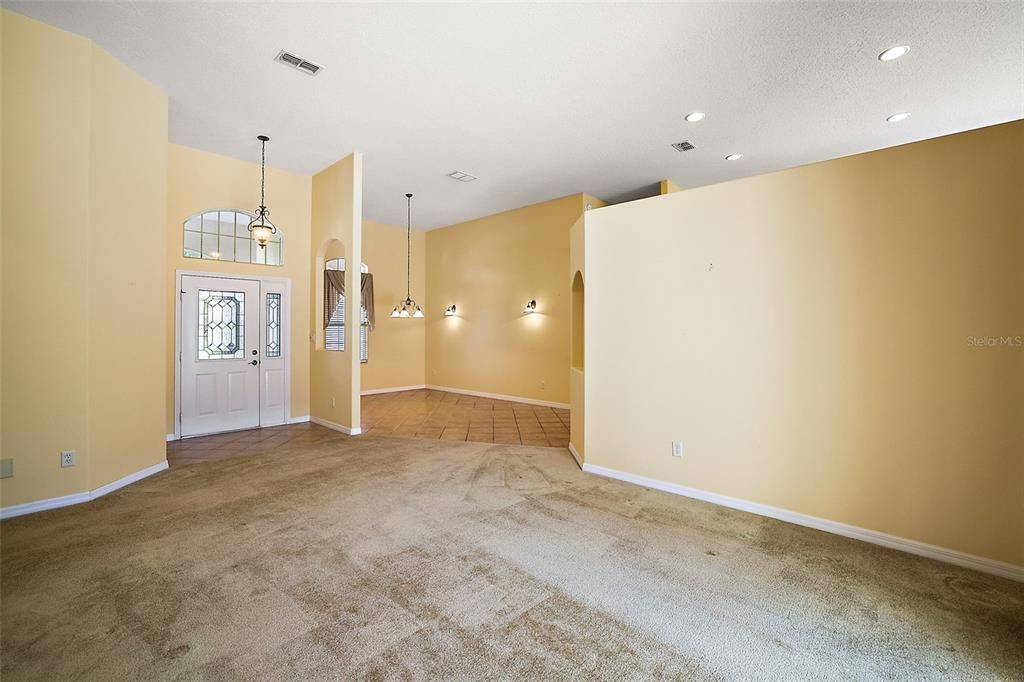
column 261, row 227
column 408, row 307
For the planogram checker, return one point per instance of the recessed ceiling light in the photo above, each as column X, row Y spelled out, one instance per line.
column 695, row 116
column 734, row 157
column 896, row 118
column 894, row 53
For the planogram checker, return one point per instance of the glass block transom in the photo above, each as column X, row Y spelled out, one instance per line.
column 221, row 325
column 273, row 349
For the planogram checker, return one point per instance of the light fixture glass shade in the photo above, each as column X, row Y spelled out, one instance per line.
column 261, row 233
column 894, row 53
column 449, row 311
column 418, row 313
column 531, row 307
column 403, row 313
column 395, row 313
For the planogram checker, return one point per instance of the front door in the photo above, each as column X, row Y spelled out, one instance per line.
column 220, row 348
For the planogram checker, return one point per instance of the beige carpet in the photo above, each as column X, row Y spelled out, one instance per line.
column 381, row 558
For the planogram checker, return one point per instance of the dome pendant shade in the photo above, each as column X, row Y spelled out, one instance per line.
column 260, row 227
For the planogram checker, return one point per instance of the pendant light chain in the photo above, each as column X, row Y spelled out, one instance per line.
column 263, row 173
column 408, row 307
column 408, row 245
column 258, row 227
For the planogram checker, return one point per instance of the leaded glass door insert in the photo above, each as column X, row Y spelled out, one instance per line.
column 273, row 330
column 221, row 325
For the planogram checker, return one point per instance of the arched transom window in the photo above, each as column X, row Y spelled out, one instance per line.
column 223, row 234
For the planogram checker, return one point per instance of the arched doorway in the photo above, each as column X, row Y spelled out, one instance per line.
column 576, row 362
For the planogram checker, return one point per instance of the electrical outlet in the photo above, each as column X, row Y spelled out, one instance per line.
column 7, row 467
column 677, row 448
column 67, row 458
column 332, row 402
column 543, row 384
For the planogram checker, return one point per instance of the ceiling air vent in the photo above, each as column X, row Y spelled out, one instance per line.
column 296, row 62
column 461, row 177
column 684, row 146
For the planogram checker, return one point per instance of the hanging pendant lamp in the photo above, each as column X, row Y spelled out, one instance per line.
column 261, row 227
column 408, row 307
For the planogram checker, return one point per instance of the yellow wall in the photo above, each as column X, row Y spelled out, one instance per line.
column 337, row 210
column 46, row 136
column 489, row 268
column 2, row 15
column 199, row 180
column 577, row 388
column 806, row 335
column 82, row 132
column 397, row 346
column 668, row 187
column 127, row 257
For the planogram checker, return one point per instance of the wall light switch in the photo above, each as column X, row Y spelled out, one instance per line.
column 677, row 448
column 7, row 467
column 67, row 458
column 332, row 402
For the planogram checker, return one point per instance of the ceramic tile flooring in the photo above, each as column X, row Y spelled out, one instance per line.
column 250, row 442
column 451, row 416
column 409, row 414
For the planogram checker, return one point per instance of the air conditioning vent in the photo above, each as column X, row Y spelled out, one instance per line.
column 684, row 146
column 461, row 177
column 295, row 62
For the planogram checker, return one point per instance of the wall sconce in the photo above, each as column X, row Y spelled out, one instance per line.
column 449, row 311
column 531, row 307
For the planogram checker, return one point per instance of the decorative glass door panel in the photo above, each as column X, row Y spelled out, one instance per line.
column 221, row 325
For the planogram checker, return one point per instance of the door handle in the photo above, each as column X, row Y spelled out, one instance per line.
column 254, row 362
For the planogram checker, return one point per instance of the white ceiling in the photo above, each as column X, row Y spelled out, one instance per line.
column 544, row 100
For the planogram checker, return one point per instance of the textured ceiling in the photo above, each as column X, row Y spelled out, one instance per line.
column 544, row 100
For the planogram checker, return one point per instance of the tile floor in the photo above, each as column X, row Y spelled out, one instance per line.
column 409, row 414
column 249, row 442
column 450, row 416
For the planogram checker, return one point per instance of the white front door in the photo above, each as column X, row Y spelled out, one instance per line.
column 221, row 349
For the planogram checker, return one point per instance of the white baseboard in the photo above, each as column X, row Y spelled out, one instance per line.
column 172, row 436
column 130, row 478
column 576, row 456
column 79, row 498
column 499, row 396
column 393, row 389
column 347, row 430
column 1000, row 568
column 298, row 420
column 43, row 505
